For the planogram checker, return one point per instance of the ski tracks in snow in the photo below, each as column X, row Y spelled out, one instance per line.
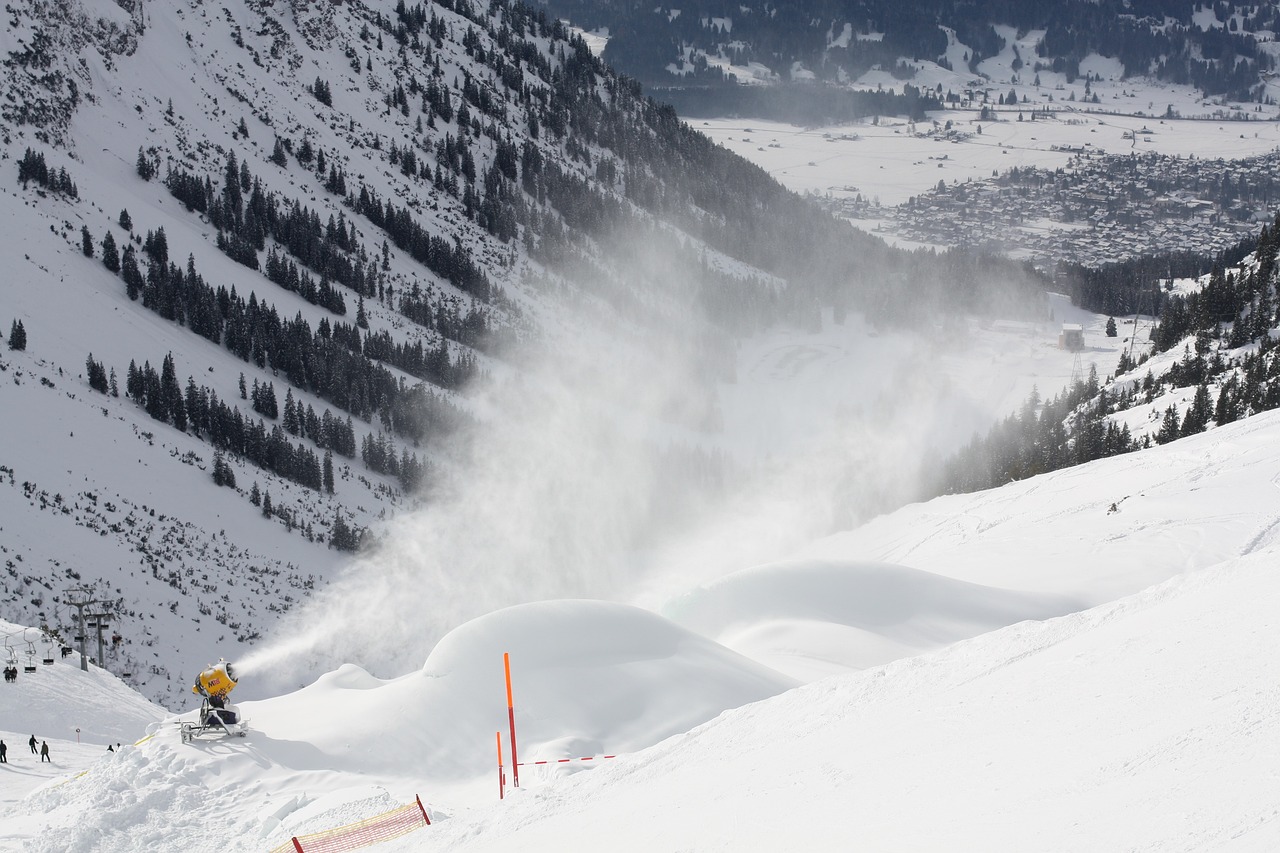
column 1268, row 533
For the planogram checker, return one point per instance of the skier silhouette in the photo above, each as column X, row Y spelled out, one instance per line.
column 44, row 752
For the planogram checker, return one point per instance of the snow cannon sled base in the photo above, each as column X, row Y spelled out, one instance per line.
column 219, row 722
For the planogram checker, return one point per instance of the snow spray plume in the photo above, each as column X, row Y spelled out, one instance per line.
column 578, row 481
column 553, row 495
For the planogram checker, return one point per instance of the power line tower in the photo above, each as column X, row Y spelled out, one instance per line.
column 79, row 598
column 1143, row 298
column 1077, row 371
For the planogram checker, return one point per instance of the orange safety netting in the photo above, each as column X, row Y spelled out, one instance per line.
column 353, row 836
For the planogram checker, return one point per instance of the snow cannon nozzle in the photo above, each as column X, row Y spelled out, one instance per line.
column 216, row 681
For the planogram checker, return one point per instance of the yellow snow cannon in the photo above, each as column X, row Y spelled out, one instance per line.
column 216, row 682
column 217, row 716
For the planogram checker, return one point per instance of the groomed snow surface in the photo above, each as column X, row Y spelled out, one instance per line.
column 1149, row 722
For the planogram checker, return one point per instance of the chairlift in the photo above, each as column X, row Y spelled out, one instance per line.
column 30, row 665
column 47, row 660
column 79, row 638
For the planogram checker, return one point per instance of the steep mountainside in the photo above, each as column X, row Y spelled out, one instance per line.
column 267, row 257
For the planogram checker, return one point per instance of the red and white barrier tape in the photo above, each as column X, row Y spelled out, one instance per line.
column 566, row 760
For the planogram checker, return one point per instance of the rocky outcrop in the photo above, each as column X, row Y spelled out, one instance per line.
column 44, row 69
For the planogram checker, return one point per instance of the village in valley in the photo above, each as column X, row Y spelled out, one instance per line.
column 1099, row 208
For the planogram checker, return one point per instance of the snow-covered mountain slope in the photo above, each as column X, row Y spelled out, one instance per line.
column 78, row 714
column 1147, row 721
column 60, row 701
column 357, row 233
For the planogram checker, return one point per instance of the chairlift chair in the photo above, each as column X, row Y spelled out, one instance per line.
column 30, row 665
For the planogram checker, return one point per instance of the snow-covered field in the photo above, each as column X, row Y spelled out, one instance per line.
column 1147, row 722
column 891, row 159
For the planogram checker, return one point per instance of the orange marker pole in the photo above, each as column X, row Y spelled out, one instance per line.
column 511, row 716
column 502, row 781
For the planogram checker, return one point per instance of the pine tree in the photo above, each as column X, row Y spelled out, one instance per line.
column 86, row 241
column 17, row 336
column 110, row 255
column 1111, row 327
column 343, row 538
column 266, row 504
column 321, row 92
column 125, row 222
column 1168, row 427
column 1197, row 417
column 290, row 420
column 223, row 473
column 97, row 375
column 145, row 169
column 328, row 472
column 130, row 273
column 255, row 494
column 133, row 382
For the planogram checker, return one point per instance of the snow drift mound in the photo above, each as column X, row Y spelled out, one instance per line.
column 1146, row 724
column 814, row 618
column 588, row 677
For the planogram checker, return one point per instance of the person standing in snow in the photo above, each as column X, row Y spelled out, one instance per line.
column 32, row 744
column 44, row 752
column 4, row 753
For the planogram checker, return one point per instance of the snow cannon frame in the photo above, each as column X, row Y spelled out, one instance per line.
column 214, row 721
